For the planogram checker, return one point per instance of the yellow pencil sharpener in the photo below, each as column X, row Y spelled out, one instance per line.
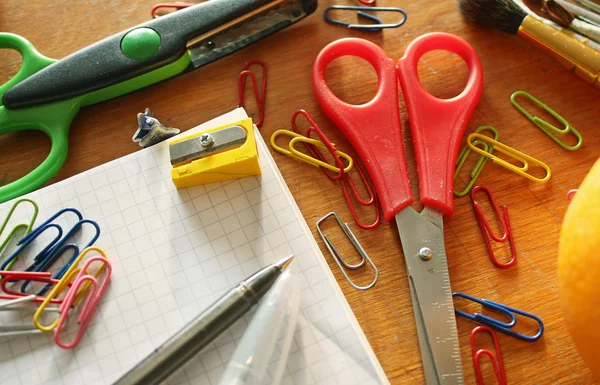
column 214, row 155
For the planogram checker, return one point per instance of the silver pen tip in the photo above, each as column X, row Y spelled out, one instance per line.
column 284, row 262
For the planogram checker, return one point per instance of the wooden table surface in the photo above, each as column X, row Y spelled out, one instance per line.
column 103, row 132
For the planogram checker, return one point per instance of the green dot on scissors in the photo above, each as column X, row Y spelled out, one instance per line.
column 140, row 43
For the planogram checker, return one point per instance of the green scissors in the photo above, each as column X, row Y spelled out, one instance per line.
column 46, row 94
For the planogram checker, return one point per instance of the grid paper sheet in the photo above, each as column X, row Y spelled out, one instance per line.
column 173, row 253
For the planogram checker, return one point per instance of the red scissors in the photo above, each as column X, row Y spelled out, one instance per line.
column 437, row 128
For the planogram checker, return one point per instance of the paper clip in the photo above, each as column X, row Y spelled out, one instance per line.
column 294, row 153
column 11, row 276
column 495, row 359
column 94, row 295
column 367, row 2
column 8, row 262
column 518, row 155
column 488, row 232
column 546, row 127
column 464, row 154
column 35, row 232
column 63, row 283
column 19, row 329
column 22, row 226
column 341, row 262
column 570, row 194
column 177, row 5
column 313, row 127
column 372, row 200
column 45, row 265
column 365, row 27
column 504, row 327
column 261, row 95
column 59, row 248
column 346, row 178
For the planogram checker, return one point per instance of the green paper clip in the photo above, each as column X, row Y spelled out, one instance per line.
column 464, row 154
column 25, row 226
column 548, row 128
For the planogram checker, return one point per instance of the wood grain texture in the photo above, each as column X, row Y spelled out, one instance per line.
column 103, row 132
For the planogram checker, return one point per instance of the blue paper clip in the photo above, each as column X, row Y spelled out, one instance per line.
column 59, row 249
column 504, row 327
column 72, row 232
column 47, row 262
column 365, row 27
column 24, row 242
column 35, row 232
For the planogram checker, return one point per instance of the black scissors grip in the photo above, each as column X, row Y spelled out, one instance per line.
column 125, row 55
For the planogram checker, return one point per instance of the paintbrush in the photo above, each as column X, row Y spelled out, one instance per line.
column 582, row 13
column 565, row 18
column 506, row 16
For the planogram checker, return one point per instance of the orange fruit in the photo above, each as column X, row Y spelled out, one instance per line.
column 579, row 269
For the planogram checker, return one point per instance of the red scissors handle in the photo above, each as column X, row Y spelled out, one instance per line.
column 372, row 128
column 437, row 124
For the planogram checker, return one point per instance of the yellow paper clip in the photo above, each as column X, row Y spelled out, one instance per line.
column 546, row 127
column 518, row 155
column 464, row 154
column 294, row 153
column 57, row 290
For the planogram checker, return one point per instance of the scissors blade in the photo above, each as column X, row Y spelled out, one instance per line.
column 247, row 29
column 422, row 237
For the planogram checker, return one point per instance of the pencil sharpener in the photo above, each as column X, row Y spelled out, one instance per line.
column 214, row 155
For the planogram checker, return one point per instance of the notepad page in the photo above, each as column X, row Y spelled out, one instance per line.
column 174, row 252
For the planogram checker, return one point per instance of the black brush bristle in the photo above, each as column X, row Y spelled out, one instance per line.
column 503, row 15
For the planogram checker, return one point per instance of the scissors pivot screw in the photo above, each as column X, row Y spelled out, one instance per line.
column 206, row 140
column 425, row 253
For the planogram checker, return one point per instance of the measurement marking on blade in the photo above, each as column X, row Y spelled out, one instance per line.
column 451, row 374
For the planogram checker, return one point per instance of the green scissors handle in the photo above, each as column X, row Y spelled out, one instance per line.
column 54, row 119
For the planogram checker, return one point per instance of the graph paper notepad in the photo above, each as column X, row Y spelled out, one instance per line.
column 174, row 252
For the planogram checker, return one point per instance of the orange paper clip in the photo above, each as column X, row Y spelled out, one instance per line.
column 496, row 359
column 174, row 6
column 486, row 229
column 346, row 180
column 258, row 95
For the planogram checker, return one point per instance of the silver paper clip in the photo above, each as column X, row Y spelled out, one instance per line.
column 337, row 257
column 379, row 24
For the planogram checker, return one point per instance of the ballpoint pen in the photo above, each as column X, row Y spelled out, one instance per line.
column 251, row 358
column 203, row 329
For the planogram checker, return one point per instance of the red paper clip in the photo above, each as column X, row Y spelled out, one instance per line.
column 9, row 276
column 176, row 6
column 92, row 300
column 367, row 2
column 345, row 179
column 487, row 231
column 259, row 96
column 496, row 360
column 314, row 150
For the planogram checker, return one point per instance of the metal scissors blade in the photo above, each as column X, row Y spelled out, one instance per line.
column 422, row 237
